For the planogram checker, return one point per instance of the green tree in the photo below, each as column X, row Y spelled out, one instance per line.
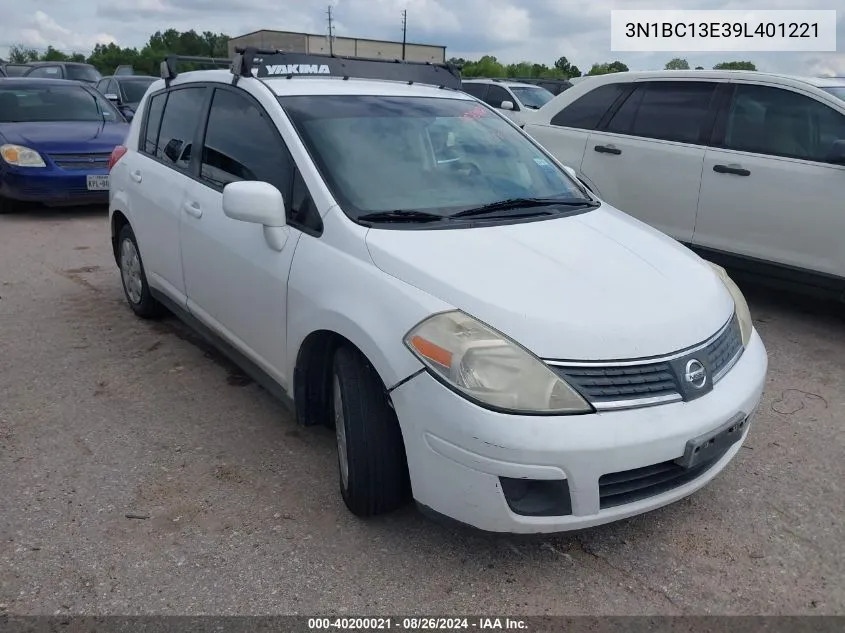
column 565, row 69
column 487, row 66
column 735, row 66
column 677, row 64
column 53, row 55
column 606, row 68
column 21, row 55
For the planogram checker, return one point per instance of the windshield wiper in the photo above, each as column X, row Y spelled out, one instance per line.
column 523, row 203
column 401, row 215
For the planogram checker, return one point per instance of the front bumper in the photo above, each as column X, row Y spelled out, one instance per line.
column 52, row 186
column 458, row 452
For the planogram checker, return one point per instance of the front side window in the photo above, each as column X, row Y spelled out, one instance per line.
column 436, row 155
column 779, row 122
column 134, row 89
column 496, row 95
column 534, row 97
column 241, row 144
column 178, row 125
column 83, row 73
column 68, row 102
column 666, row 110
column 836, row 91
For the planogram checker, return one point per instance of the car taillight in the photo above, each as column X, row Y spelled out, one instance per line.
column 116, row 154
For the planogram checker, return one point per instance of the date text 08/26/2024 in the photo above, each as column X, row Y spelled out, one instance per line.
column 417, row 623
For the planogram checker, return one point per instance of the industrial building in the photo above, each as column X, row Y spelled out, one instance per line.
column 346, row 46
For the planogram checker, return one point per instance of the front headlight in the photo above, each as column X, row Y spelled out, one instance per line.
column 490, row 368
column 743, row 314
column 21, row 156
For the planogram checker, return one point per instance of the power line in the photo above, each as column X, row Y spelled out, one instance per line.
column 404, row 30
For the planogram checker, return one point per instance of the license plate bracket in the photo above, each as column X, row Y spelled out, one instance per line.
column 98, row 182
column 707, row 446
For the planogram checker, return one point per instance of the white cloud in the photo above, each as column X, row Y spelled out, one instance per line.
column 512, row 30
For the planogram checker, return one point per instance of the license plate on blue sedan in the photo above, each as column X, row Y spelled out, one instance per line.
column 98, row 183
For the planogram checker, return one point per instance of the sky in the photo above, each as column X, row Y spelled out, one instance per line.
column 512, row 30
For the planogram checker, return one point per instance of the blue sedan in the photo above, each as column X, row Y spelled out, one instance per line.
column 56, row 137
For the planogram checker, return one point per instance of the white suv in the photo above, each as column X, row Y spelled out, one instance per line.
column 402, row 263
column 511, row 98
column 748, row 168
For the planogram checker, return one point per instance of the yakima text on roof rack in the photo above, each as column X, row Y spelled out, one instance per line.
column 254, row 62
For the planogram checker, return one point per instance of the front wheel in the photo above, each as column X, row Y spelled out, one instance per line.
column 371, row 454
column 133, row 277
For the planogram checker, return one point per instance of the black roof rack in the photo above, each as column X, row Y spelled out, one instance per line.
column 260, row 63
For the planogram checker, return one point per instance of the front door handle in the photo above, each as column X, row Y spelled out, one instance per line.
column 607, row 149
column 193, row 208
column 135, row 175
column 731, row 169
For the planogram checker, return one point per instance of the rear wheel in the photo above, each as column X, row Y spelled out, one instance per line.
column 133, row 277
column 372, row 466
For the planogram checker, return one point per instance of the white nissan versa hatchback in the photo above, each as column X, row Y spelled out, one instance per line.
column 399, row 261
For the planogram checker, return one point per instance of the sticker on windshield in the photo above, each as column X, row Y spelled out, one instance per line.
column 542, row 162
column 475, row 112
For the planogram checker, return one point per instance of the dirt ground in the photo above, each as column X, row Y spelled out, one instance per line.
column 104, row 416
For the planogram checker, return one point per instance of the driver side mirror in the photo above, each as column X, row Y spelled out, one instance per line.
column 506, row 105
column 254, row 201
column 836, row 155
column 259, row 203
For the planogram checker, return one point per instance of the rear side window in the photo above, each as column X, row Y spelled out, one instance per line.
column 585, row 112
column 51, row 72
column 476, row 90
column 178, row 125
column 666, row 110
column 155, row 108
column 241, row 144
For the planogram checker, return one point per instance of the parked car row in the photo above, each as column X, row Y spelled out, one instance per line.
column 747, row 168
column 511, row 98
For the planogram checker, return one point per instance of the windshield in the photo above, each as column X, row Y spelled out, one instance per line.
column 420, row 153
column 135, row 89
column 532, row 97
column 83, row 73
column 54, row 103
column 836, row 91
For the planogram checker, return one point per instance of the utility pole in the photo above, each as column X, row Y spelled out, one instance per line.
column 331, row 32
column 404, row 30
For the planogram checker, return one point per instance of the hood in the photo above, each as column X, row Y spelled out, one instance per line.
column 595, row 286
column 66, row 136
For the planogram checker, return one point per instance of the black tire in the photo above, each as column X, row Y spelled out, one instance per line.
column 6, row 205
column 377, row 480
column 142, row 303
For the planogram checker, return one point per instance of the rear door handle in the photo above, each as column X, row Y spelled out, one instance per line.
column 193, row 208
column 607, row 149
column 731, row 169
column 135, row 175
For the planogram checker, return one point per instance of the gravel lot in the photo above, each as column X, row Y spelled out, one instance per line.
column 103, row 415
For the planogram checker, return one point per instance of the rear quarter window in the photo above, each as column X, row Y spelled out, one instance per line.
column 587, row 110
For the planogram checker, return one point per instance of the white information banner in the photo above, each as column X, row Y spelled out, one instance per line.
column 794, row 31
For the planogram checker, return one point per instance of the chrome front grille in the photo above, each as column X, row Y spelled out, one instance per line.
column 638, row 383
column 79, row 162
